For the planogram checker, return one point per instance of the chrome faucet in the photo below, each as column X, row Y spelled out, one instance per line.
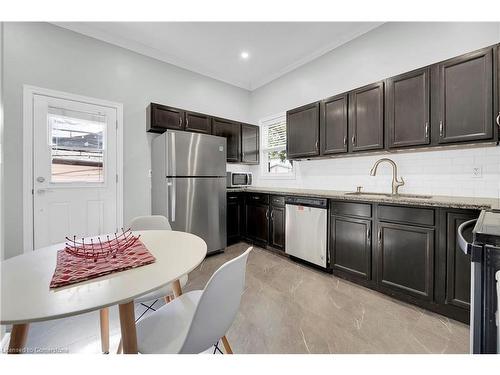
column 396, row 183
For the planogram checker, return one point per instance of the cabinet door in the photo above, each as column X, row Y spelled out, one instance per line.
column 249, row 144
column 198, row 122
column 161, row 118
column 466, row 97
column 234, row 212
column 333, row 125
column 257, row 222
column 366, row 117
column 350, row 245
column 406, row 259
column 457, row 262
column 277, row 235
column 408, row 109
column 302, row 131
column 232, row 132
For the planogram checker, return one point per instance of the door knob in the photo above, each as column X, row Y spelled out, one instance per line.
column 40, row 179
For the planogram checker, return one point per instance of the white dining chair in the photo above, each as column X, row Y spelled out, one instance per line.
column 197, row 320
column 151, row 222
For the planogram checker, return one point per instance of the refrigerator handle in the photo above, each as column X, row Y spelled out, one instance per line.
column 172, row 153
column 171, row 197
column 172, row 202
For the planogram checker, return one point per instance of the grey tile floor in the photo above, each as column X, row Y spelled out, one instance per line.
column 289, row 308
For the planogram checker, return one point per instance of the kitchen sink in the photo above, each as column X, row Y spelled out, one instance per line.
column 396, row 196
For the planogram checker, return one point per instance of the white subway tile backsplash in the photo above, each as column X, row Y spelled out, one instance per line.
column 438, row 172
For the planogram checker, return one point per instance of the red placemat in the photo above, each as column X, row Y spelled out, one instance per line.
column 71, row 269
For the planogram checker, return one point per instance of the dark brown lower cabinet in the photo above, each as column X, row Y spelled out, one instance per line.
column 277, row 227
column 457, row 263
column 453, row 266
column 406, row 259
column 350, row 245
column 234, row 217
column 257, row 222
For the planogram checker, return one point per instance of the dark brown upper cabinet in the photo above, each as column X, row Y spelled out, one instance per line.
column 302, row 131
column 249, row 144
column 407, row 109
column 366, row 117
column 465, row 98
column 232, row 132
column 160, row 118
column 197, row 122
column 333, row 124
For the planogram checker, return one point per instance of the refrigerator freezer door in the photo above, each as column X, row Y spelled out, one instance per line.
column 192, row 154
column 198, row 206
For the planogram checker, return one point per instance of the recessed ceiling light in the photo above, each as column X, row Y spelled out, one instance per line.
column 244, row 55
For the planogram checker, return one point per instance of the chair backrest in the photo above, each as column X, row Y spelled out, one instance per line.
column 218, row 305
column 151, row 222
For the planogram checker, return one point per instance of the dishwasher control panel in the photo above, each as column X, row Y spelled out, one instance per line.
column 307, row 201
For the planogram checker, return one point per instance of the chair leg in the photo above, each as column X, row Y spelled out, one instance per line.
column 227, row 347
column 104, row 323
column 176, row 287
column 120, row 347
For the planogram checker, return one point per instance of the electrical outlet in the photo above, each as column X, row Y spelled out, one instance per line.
column 477, row 171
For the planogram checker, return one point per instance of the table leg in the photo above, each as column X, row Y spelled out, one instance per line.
column 226, row 345
column 176, row 287
column 104, row 323
column 18, row 338
column 127, row 325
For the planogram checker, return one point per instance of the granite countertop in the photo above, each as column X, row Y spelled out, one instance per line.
column 434, row 201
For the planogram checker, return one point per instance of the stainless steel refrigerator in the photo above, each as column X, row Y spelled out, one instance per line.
column 189, row 184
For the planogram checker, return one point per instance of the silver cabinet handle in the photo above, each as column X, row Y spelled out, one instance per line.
column 180, row 121
column 272, row 215
column 353, row 140
column 368, row 233
column 317, row 143
column 267, row 214
column 498, row 119
column 345, row 140
column 187, row 121
column 426, row 130
column 440, row 128
column 380, row 235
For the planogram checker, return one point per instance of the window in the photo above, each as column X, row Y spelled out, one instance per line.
column 275, row 163
column 77, row 146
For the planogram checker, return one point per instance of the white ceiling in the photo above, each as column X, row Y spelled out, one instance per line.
column 213, row 48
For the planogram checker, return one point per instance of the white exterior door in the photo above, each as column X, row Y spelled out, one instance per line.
column 74, row 169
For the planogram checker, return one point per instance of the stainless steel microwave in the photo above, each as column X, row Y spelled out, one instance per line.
column 235, row 179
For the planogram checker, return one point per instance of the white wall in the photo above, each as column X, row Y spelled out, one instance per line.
column 386, row 51
column 51, row 57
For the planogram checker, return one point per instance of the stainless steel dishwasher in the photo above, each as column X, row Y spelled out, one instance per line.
column 306, row 229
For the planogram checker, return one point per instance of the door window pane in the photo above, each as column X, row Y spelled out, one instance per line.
column 77, row 141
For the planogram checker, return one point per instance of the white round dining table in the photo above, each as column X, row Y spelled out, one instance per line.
column 27, row 298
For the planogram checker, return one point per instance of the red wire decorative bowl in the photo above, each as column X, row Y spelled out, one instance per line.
column 97, row 249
